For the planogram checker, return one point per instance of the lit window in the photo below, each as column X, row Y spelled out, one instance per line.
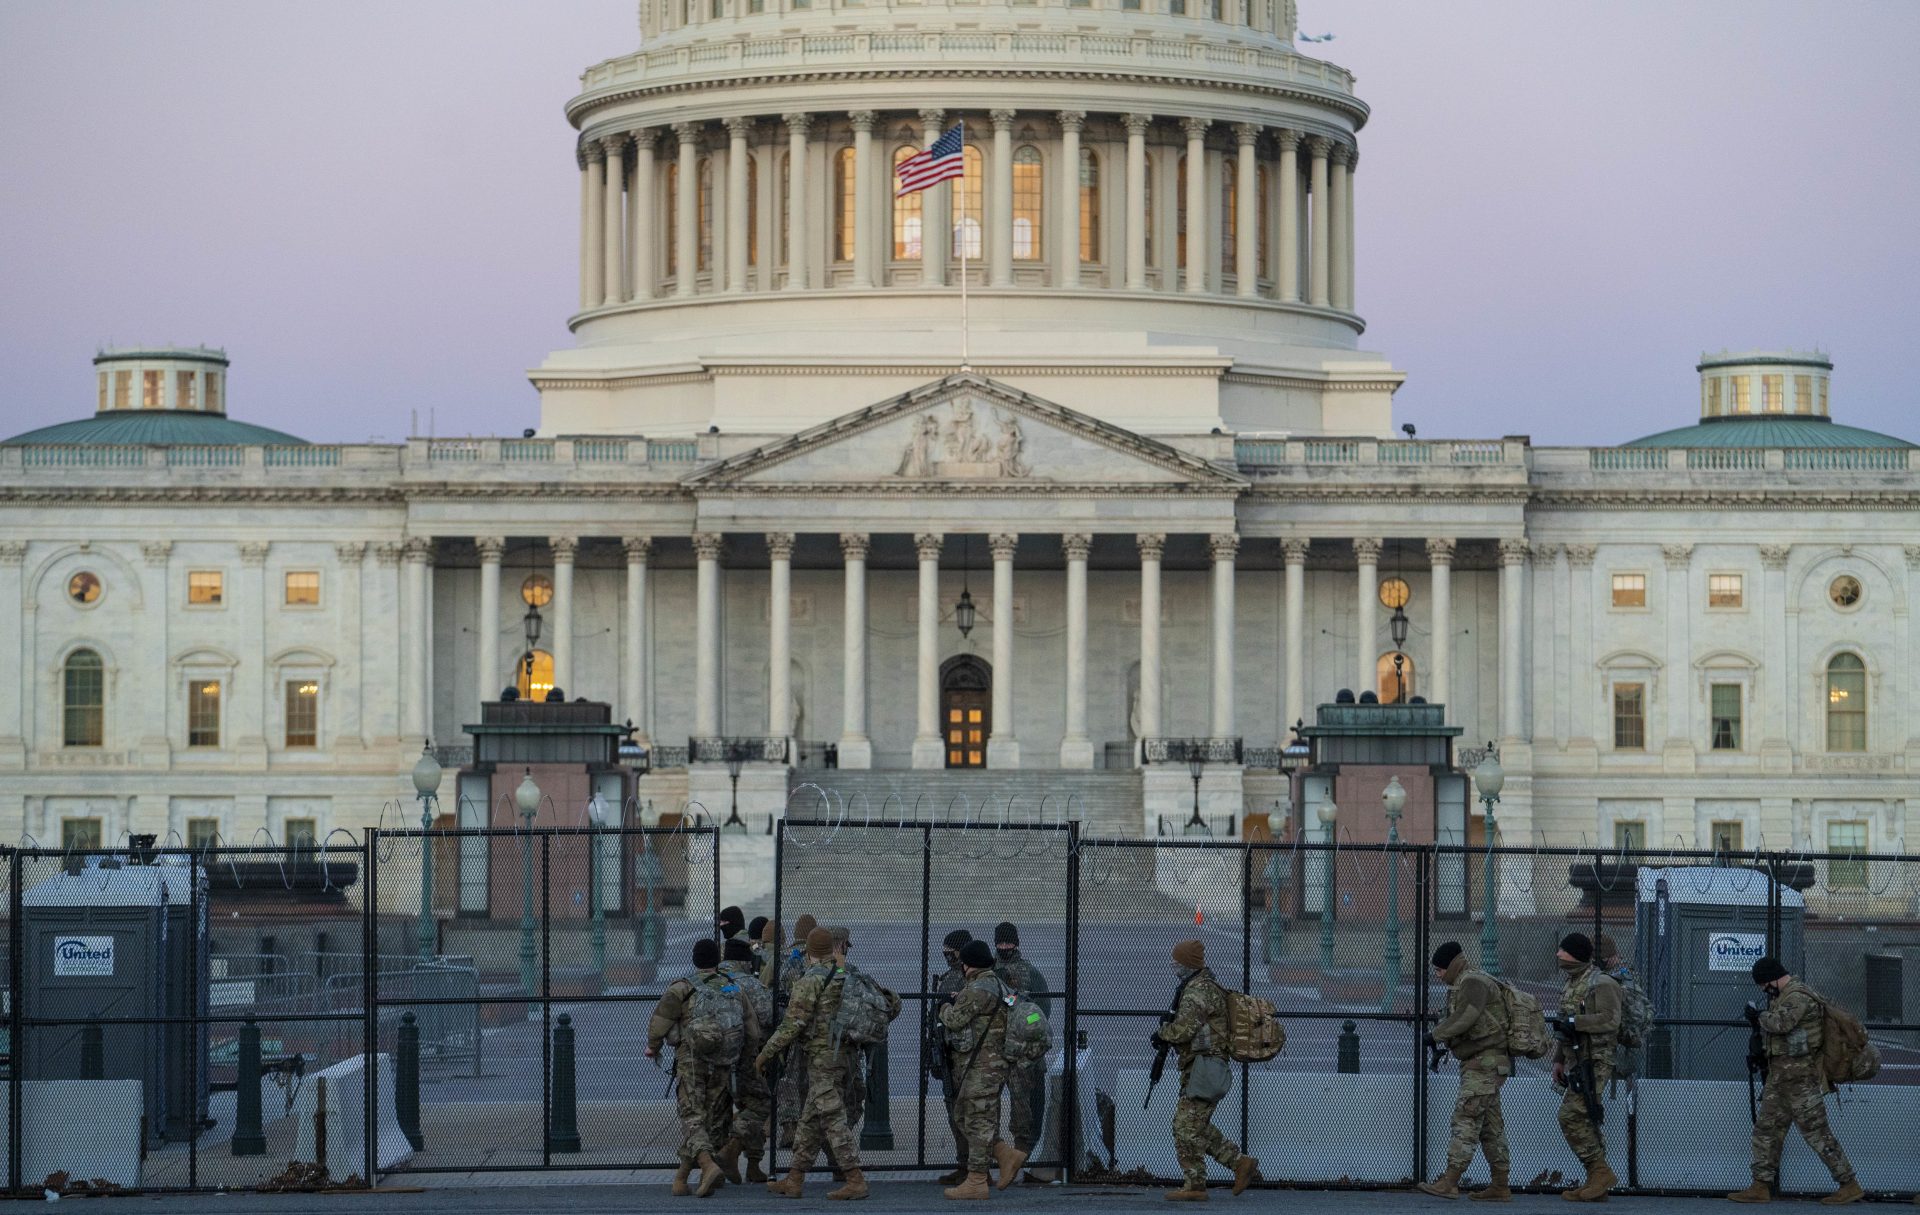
column 1725, row 716
column 1711, row 387
column 203, row 713
column 1740, row 393
column 80, row 833
column 1845, row 591
column 122, row 389
column 203, row 833
column 536, row 681
column 1846, row 703
column 204, row 588
column 84, row 588
column 1823, row 398
column 906, row 215
column 1803, row 394
column 1726, row 590
column 1630, row 836
column 967, row 206
column 303, row 713
column 102, row 407
column 1629, row 590
column 1773, row 396
column 1629, row 717
column 1029, row 204
column 536, row 590
column 1089, row 206
column 705, row 204
column 1850, row 838
column 151, row 390
column 846, row 187
column 83, row 700
column 183, row 394
column 1727, row 836
column 1393, row 686
column 214, row 382
column 1395, row 593
column 303, row 588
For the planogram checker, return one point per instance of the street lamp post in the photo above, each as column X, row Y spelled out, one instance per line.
column 1487, row 780
column 1293, row 759
column 1398, row 624
column 597, row 817
column 1393, row 800
column 1328, row 812
column 736, row 759
column 1196, row 767
column 426, row 786
column 527, row 800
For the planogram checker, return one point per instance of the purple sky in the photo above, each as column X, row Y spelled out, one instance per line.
column 373, row 206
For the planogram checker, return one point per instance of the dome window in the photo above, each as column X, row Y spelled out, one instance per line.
column 1845, row 592
column 84, row 588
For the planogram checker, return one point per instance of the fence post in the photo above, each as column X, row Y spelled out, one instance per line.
column 876, row 1124
column 1349, row 1064
column 93, row 1054
column 406, row 1079
column 564, row 1133
column 247, row 1137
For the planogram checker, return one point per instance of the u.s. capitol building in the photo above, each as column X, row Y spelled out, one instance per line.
column 1159, row 494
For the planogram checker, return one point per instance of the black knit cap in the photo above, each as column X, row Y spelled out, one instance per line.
column 756, row 926
column 732, row 920
column 957, row 939
column 978, row 955
column 1576, row 946
column 737, row 949
column 1767, row 969
column 1004, row 933
column 1443, row 957
column 706, row 954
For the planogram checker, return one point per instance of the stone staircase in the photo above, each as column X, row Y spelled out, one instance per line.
column 1107, row 803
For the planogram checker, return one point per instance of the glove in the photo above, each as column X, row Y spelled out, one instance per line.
column 1157, row 1040
column 1430, row 1043
column 1752, row 1014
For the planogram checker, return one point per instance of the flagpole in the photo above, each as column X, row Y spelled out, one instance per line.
column 960, row 192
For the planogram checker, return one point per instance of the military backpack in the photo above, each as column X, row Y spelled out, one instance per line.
column 759, row 1004
column 716, row 1019
column 1254, row 1033
column 1028, row 1036
column 862, row 1017
column 1846, row 1054
column 1636, row 1011
column 1526, row 1024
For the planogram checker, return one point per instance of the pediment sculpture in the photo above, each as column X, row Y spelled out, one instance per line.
column 962, row 448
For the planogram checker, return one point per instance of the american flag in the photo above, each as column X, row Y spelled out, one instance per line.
column 938, row 163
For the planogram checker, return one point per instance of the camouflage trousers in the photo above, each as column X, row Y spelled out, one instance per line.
column 977, row 1113
column 793, row 1089
column 752, row 1105
column 1588, row 1144
column 1477, row 1120
column 1026, row 1103
column 950, row 1093
column 854, row 1090
column 1195, row 1138
column 823, row 1119
column 1795, row 1096
column 703, row 1099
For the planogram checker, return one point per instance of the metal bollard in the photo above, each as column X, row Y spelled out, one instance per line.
column 93, row 1053
column 876, row 1126
column 563, row 1131
column 406, row 1080
column 1349, row 1063
column 248, row 1140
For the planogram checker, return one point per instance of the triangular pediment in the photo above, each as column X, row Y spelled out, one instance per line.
column 966, row 432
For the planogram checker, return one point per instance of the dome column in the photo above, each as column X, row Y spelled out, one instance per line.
column 1440, row 662
column 1340, row 219
column 1353, row 165
column 863, row 186
column 613, row 252
column 1366, row 556
column 1137, row 125
column 1152, row 545
column 1247, row 230
column 1293, row 553
column 934, row 226
column 593, row 262
column 686, row 209
column 856, row 748
column 797, row 125
column 1288, row 185
column 1003, row 743
column 1318, row 265
column 737, row 131
column 1068, row 273
column 1223, row 548
column 640, row 209
column 1196, row 129
column 1000, row 204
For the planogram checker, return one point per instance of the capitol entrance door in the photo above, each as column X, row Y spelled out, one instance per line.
column 966, row 710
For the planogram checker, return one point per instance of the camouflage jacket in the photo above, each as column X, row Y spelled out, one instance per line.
column 1476, row 1020
column 670, row 1011
column 809, row 1017
column 950, row 983
column 1021, row 975
column 1593, row 998
column 976, row 1022
column 1794, row 1023
column 1199, row 1025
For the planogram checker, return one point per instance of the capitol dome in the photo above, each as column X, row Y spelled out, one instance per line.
column 745, row 264
column 1767, row 399
column 167, row 396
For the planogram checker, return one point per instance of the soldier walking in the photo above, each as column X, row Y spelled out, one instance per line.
column 945, row 987
column 808, row 1026
column 1026, row 1082
column 855, row 1090
column 1475, row 1032
column 1588, row 1020
column 1796, row 1093
column 976, row 1025
column 1198, row 1031
column 791, row 1092
column 752, row 1099
column 702, row 1094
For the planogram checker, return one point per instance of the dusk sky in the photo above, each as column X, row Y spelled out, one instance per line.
column 373, row 206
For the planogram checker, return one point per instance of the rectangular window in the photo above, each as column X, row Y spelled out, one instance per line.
column 1773, row 393
column 1629, row 590
column 151, row 390
column 84, row 711
column 102, row 407
column 204, row 587
column 213, row 392
column 301, row 832
column 122, row 389
column 1823, row 398
column 80, row 833
column 1177, row 7
column 203, row 833
column 183, row 394
column 1726, row 590
column 303, row 713
column 1848, row 837
column 1803, row 394
column 1726, row 836
column 1629, row 717
column 1726, row 716
column 203, row 713
column 303, row 588
column 1630, row 836
column 1131, row 6
column 1710, row 390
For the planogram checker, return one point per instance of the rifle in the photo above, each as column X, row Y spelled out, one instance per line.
column 1436, row 1054
column 1162, row 1048
column 1580, row 1075
column 1756, row 1060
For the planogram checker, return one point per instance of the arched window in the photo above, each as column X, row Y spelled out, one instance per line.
column 906, row 215
column 83, row 700
column 785, row 186
column 1229, row 212
column 843, row 205
column 967, row 204
column 534, row 684
column 1029, row 204
column 1089, row 206
column 753, row 209
column 705, row 208
column 1846, row 703
column 1388, row 683
column 673, row 219
column 1180, row 215
column 1264, row 233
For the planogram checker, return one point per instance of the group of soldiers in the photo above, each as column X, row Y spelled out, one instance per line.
column 1587, row 1055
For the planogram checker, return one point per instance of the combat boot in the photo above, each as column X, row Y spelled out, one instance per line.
column 1244, row 1171
column 710, row 1176
column 1009, row 1158
column 1759, row 1191
column 755, row 1173
column 680, row 1187
column 1600, row 1179
column 1184, row 1194
column 974, row 1187
column 958, row 1175
column 1496, row 1189
column 856, row 1187
column 1850, row 1192
column 1446, row 1185
column 790, row 1185
column 728, row 1158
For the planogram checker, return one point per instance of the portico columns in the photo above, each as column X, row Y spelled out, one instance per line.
column 418, row 555
column 633, row 668
column 1152, row 544
column 1137, row 200
column 1068, row 259
column 779, row 634
column 686, row 210
column 1440, row 663
column 1246, row 232
column 797, row 228
column 935, row 230
column 614, row 250
column 1366, row 554
column 562, row 645
column 927, row 751
column 1513, row 565
column 856, row 749
column 487, row 627
column 640, row 211
column 1353, row 163
column 1293, row 551
column 1196, row 129
column 863, row 242
column 594, row 290
column 1076, row 749
column 1000, row 204
column 707, row 547
column 1318, row 264
column 1003, row 746
column 1288, row 184
column 738, row 129
column 1223, row 549
column 1337, row 248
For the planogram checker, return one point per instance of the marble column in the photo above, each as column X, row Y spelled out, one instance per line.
column 1152, row 545
column 417, row 553
column 856, row 748
column 1319, row 265
column 1076, row 749
column 633, row 668
column 1366, row 555
column 561, row 645
column 686, row 210
column 1337, row 248
column 928, row 752
column 615, row 219
column 1287, row 183
column 707, row 548
column 349, row 679
column 486, row 643
column 1223, row 548
column 779, row 634
column 1293, row 552
column 642, row 212
column 1513, row 648
column 1003, row 744
column 1673, row 689
column 864, row 244
column 1246, row 183
column 1779, row 684
column 935, row 231
column 1068, row 257
column 595, row 291
column 1000, row 203
column 1196, row 130
column 1439, row 679
column 738, row 131
column 797, row 229
column 588, row 247
column 1580, row 686
column 1353, row 163
column 1137, row 125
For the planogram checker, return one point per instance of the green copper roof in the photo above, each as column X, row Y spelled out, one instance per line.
column 156, row 427
column 1769, row 431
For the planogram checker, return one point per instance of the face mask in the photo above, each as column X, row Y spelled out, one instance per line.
column 1571, row 965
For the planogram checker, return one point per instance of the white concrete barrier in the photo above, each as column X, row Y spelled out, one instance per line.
column 86, row 1128
column 346, row 1118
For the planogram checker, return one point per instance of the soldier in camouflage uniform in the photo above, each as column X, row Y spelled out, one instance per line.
column 1591, row 1000
column 1793, row 1025
column 1198, row 1031
column 946, row 986
column 976, row 1024
column 1026, row 1082
column 808, row 1026
column 856, row 1087
column 1475, row 1032
column 702, row 1090
column 752, row 1099
column 791, row 1094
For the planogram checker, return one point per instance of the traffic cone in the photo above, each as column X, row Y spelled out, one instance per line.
column 1199, row 917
